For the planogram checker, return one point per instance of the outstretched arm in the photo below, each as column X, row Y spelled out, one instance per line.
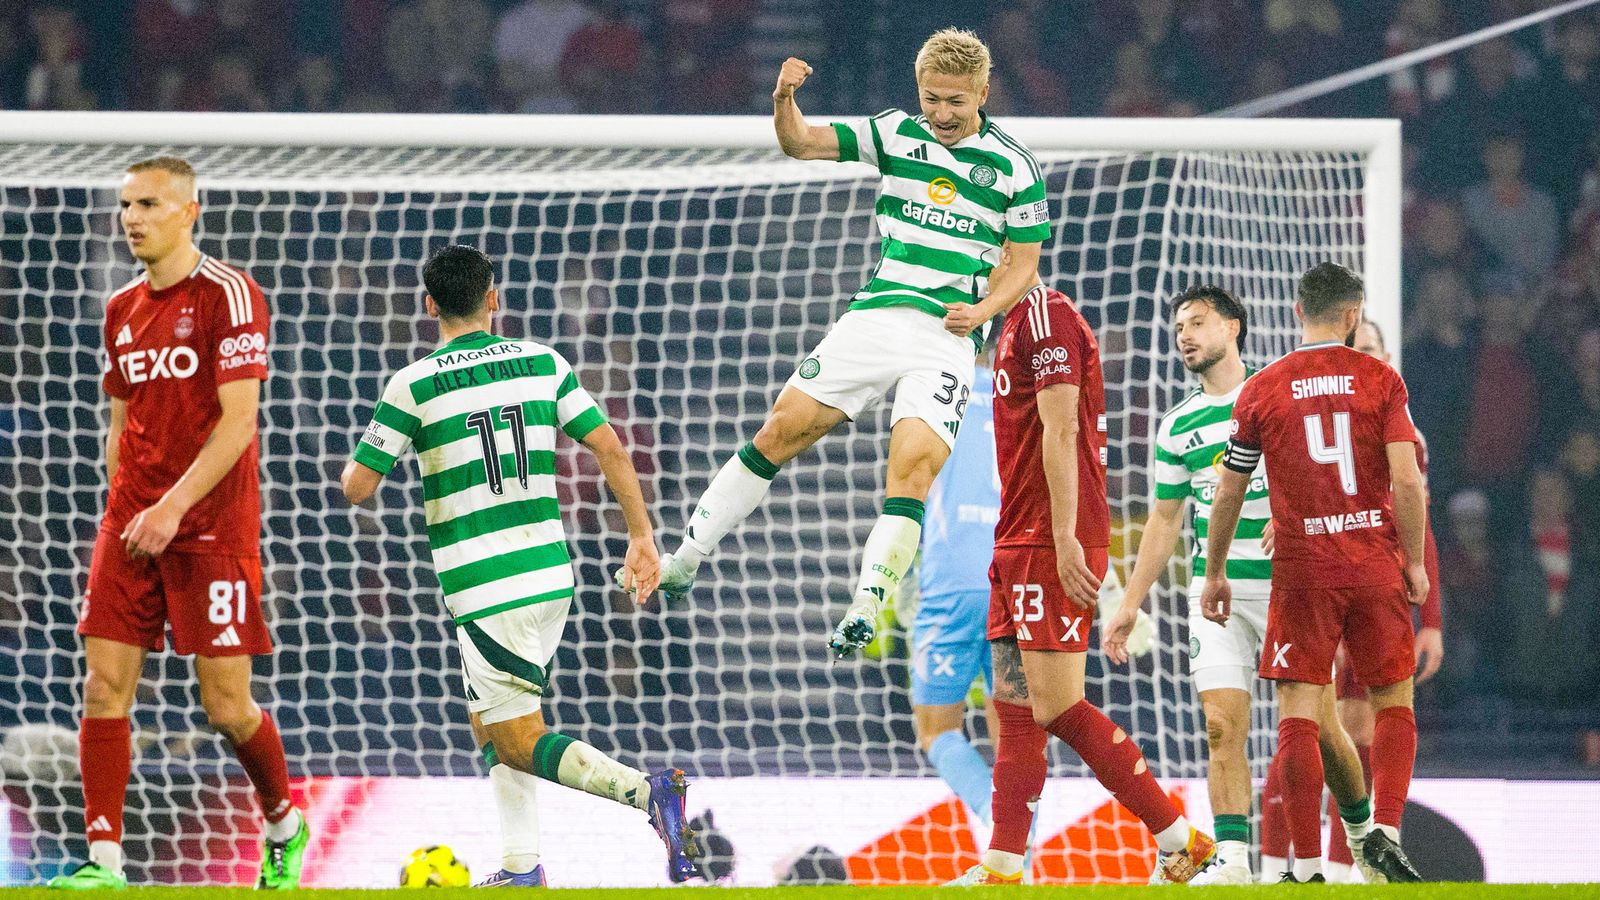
column 641, row 566
column 798, row 139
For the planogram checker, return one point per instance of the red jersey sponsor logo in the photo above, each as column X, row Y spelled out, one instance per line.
column 139, row 366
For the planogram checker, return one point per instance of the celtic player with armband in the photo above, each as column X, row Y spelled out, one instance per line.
column 958, row 194
column 482, row 413
column 1209, row 329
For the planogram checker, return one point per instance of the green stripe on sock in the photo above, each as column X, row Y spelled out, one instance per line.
column 755, row 462
column 904, row 506
column 547, row 753
column 1232, row 828
column 490, row 758
column 1359, row 813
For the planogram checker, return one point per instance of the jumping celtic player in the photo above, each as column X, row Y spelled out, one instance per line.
column 958, row 196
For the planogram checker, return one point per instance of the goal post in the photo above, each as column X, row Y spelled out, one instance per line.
column 684, row 267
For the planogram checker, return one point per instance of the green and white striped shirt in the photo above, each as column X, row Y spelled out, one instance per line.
column 944, row 212
column 482, row 413
column 1188, row 450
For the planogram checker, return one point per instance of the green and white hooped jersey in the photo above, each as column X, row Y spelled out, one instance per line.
column 482, row 413
column 1188, row 450
column 944, row 212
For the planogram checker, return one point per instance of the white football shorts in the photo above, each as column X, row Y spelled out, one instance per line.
column 870, row 352
column 1225, row 656
column 505, row 658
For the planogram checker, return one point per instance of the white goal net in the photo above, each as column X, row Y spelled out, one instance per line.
column 683, row 282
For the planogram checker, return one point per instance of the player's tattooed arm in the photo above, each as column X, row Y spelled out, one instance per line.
column 1010, row 684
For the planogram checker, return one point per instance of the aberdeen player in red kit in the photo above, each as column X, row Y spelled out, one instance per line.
column 1049, row 558
column 180, row 544
column 1349, row 516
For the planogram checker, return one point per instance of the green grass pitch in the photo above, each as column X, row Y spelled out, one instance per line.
column 1260, row 892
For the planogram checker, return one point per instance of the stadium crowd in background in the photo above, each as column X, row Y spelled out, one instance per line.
column 1502, row 211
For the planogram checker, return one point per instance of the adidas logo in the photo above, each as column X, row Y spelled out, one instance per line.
column 228, row 638
column 1195, row 442
column 921, row 152
column 99, row 824
column 125, row 336
column 953, row 427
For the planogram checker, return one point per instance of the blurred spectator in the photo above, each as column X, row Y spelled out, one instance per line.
column 55, row 81
column 1136, row 91
column 1023, row 68
column 232, row 83
column 1512, row 218
column 1436, row 355
column 438, row 55
column 529, row 44
column 15, row 60
column 1490, row 97
column 706, row 55
column 1580, row 462
column 1470, row 569
column 312, row 87
column 1550, row 526
column 1307, row 34
column 1561, row 124
column 1502, row 409
column 172, row 39
column 1417, row 24
column 1562, row 608
column 1436, row 238
column 603, row 65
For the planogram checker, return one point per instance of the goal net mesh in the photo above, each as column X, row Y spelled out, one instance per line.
column 683, row 285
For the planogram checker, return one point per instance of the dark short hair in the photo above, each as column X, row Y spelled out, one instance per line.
column 1326, row 288
column 1225, row 304
column 458, row 278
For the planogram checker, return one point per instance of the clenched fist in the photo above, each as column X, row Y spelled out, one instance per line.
column 790, row 77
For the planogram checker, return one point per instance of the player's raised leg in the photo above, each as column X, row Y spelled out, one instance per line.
column 795, row 423
column 916, row 454
column 105, row 759
column 225, row 696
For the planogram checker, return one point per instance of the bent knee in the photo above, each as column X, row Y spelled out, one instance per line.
column 236, row 722
column 1223, row 731
column 106, row 697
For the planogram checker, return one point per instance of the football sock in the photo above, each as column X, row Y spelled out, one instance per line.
column 890, row 548
column 1274, row 826
column 1019, row 772
column 1305, row 868
column 1394, row 752
column 1302, row 788
column 105, row 759
column 262, row 759
column 1120, row 767
column 1338, row 872
column 515, row 797
column 1338, row 845
column 575, row 764
column 1357, row 819
column 1002, row 863
column 733, row 495
column 962, row 768
column 1233, row 839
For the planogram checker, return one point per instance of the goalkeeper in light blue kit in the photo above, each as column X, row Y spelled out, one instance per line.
column 949, row 636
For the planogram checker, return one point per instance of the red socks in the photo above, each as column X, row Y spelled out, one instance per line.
column 1274, row 821
column 262, row 758
column 105, row 748
column 1394, row 752
column 1117, row 763
column 1302, row 784
column 1019, row 771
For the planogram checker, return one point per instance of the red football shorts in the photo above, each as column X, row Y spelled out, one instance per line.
column 1026, row 600
column 1305, row 626
column 1344, row 676
column 213, row 603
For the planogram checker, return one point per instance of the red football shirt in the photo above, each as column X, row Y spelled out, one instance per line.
column 1322, row 417
column 1046, row 341
column 168, row 351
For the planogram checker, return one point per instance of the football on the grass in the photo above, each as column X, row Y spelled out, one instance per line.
column 435, row 866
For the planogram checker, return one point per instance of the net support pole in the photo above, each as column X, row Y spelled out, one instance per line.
column 1381, row 203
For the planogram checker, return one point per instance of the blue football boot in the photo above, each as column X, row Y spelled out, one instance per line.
column 668, row 790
